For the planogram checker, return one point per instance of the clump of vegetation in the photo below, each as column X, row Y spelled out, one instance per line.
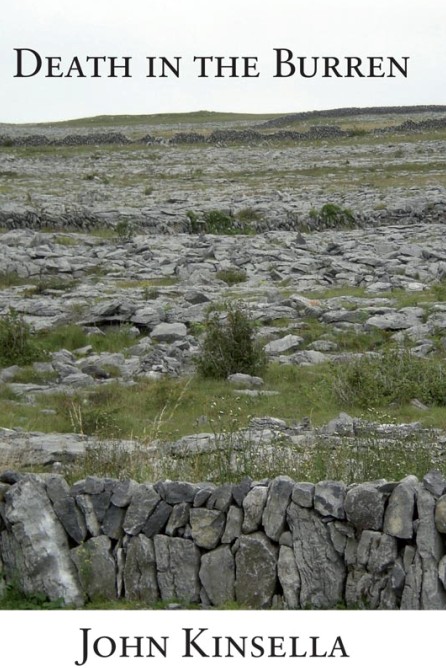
column 217, row 222
column 14, row 598
column 395, row 377
column 95, row 176
column 45, row 283
column 71, row 337
column 16, row 342
column 232, row 275
column 124, row 230
column 11, row 279
column 230, row 345
column 333, row 215
column 248, row 215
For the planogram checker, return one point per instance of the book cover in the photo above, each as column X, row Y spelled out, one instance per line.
column 191, row 192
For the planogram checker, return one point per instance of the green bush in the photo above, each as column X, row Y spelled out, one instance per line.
column 16, row 343
column 124, row 230
column 333, row 215
column 232, row 275
column 230, row 345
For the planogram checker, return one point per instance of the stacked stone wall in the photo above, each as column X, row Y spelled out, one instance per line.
column 267, row 544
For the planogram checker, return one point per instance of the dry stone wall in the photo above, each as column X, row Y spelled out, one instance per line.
column 265, row 544
column 149, row 222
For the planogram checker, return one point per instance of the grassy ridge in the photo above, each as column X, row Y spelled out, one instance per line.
column 191, row 117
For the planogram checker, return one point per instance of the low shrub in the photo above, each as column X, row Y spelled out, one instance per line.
column 232, row 275
column 16, row 341
column 333, row 215
column 230, row 345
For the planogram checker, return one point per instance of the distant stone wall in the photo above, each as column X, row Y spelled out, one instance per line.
column 264, row 544
column 231, row 135
column 153, row 222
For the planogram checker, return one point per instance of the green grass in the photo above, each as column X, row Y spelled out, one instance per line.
column 64, row 240
column 14, row 599
column 171, row 408
column 351, row 341
column 195, row 117
column 71, row 337
column 29, row 375
column 392, row 379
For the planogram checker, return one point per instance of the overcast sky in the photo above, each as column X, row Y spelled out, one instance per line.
column 188, row 28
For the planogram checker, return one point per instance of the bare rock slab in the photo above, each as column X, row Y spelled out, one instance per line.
column 217, row 575
column 178, row 565
column 256, row 570
column 140, row 578
column 321, row 569
column 96, row 568
column 40, row 559
column 364, row 507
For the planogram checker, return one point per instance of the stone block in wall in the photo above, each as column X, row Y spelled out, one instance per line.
column 440, row 514
column 140, row 578
column 256, row 570
column 233, row 527
column 157, row 520
column 203, row 494
column 217, row 575
column 178, row 519
column 113, row 521
column 329, row 496
column 435, row 483
column 71, row 517
column 286, row 538
column 429, row 541
column 274, row 515
column 57, row 488
column 253, row 507
column 398, row 518
column 173, row 492
column 207, row 527
column 322, row 571
column 85, row 504
column 101, row 503
column 433, row 594
column 240, row 490
column 35, row 548
column 289, row 578
column 96, row 568
column 123, row 491
column 442, row 571
column 93, row 485
column 364, row 507
column 339, row 536
column 177, row 565
column 411, row 597
column 143, row 503
column 431, row 549
column 3, row 489
column 221, row 498
column 303, row 494
column 377, row 552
